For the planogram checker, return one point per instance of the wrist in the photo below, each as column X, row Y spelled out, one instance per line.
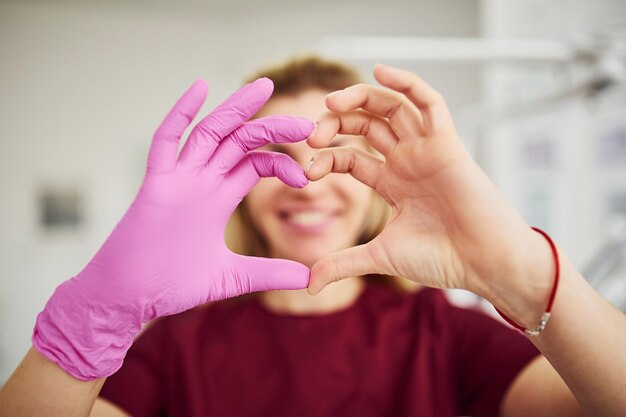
column 522, row 294
column 85, row 337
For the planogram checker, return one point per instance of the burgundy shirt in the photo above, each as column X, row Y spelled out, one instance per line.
column 389, row 354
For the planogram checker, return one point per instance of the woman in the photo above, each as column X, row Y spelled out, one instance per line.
column 354, row 348
column 275, row 337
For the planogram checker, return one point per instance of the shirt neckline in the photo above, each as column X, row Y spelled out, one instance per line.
column 364, row 294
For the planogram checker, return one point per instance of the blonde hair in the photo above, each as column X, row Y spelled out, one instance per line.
column 291, row 78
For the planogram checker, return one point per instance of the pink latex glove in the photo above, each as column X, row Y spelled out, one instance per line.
column 167, row 254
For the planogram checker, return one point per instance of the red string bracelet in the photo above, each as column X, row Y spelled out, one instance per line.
column 546, row 316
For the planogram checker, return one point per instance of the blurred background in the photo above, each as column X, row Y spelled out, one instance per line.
column 538, row 90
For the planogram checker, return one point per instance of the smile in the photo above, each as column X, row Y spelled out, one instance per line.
column 308, row 221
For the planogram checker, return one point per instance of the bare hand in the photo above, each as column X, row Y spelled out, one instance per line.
column 450, row 227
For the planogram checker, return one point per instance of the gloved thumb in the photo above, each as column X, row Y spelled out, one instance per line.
column 262, row 274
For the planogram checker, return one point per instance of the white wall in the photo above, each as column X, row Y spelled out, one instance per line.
column 84, row 84
column 573, row 196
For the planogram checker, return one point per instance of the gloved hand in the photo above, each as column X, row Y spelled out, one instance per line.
column 167, row 254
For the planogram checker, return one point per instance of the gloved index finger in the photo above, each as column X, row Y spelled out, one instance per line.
column 256, row 133
column 228, row 116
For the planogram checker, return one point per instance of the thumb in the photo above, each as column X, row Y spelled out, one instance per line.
column 262, row 274
column 351, row 262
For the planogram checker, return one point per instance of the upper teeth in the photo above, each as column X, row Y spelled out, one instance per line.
column 308, row 218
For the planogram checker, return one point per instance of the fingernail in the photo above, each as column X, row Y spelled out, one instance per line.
column 310, row 163
column 314, row 129
column 333, row 94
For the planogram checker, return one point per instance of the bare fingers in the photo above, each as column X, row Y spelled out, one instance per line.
column 435, row 113
column 404, row 118
column 362, row 165
column 356, row 122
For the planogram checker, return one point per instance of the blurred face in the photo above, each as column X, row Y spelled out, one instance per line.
column 323, row 217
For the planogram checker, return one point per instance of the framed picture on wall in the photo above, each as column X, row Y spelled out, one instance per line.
column 60, row 207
